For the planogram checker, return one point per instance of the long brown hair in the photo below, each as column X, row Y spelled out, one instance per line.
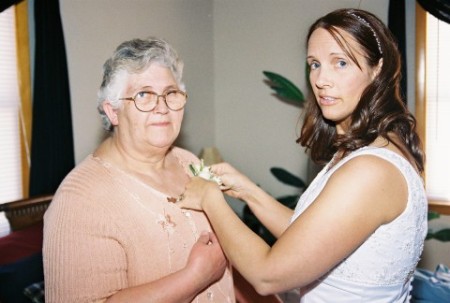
column 381, row 109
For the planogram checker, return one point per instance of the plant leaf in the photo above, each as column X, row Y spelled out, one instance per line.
column 286, row 177
column 256, row 226
column 289, row 201
column 442, row 235
column 433, row 215
column 193, row 170
column 284, row 88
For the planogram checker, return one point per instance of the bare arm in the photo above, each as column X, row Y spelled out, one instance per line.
column 272, row 214
column 363, row 194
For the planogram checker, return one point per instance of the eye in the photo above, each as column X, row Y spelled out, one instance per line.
column 141, row 94
column 342, row 63
column 144, row 95
column 314, row 65
column 171, row 92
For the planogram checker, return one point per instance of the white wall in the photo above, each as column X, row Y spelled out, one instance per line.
column 93, row 29
column 254, row 130
column 226, row 44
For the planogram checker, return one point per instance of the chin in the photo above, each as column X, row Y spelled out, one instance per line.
column 161, row 144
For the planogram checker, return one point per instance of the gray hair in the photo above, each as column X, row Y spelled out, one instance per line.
column 131, row 57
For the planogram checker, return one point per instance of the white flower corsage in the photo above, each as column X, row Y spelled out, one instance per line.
column 198, row 170
column 203, row 171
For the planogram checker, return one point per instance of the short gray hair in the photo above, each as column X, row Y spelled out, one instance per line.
column 130, row 57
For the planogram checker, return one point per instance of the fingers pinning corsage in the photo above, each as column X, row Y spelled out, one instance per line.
column 203, row 171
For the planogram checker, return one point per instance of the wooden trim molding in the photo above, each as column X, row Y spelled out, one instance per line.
column 25, row 114
column 420, row 87
column 441, row 207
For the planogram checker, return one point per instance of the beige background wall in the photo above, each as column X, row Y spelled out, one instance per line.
column 226, row 44
column 93, row 29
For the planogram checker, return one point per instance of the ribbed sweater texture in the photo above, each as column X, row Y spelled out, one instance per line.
column 105, row 231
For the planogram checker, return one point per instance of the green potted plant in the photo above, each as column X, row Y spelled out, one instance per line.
column 442, row 235
column 288, row 92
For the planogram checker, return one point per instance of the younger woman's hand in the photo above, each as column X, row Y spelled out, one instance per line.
column 234, row 183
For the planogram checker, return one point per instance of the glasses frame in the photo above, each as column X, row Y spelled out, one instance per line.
column 163, row 96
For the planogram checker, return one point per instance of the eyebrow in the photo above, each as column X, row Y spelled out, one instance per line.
column 330, row 55
column 149, row 87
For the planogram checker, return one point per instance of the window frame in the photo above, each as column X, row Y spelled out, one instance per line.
column 440, row 206
column 25, row 90
column 24, row 112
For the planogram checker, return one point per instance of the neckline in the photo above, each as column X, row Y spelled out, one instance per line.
column 109, row 165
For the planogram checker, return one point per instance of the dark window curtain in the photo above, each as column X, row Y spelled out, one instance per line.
column 4, row 4
column 397, row 25
column 438, row 8
column 52, row 155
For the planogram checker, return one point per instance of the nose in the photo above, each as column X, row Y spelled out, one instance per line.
column 323, row 79
column 161, row 105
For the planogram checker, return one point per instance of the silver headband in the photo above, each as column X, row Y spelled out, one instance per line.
column 371, row 29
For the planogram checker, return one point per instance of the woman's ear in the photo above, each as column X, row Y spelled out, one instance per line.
column 110, row 112
column 377, row 69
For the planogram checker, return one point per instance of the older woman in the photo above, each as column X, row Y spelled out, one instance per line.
column 111, row 234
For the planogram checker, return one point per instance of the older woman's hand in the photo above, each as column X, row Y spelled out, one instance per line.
column 207, row 262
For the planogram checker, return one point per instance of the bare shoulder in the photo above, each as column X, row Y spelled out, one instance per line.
column 371, row 166
column 359, row 197
column 374, row 184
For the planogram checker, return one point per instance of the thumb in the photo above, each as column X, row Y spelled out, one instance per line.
column 213, row 237
column 205, row 237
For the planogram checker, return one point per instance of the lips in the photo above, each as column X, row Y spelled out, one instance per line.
column 326, row 99
column 161, row 123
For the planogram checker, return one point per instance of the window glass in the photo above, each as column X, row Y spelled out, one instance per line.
column 437, row 94
column 10, row 162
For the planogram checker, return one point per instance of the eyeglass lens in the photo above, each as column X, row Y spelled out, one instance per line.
column 147, row 100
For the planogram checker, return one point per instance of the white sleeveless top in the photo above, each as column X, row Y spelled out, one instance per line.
column 381, row 269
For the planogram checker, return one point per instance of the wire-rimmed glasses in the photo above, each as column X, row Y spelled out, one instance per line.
column 146, row 101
